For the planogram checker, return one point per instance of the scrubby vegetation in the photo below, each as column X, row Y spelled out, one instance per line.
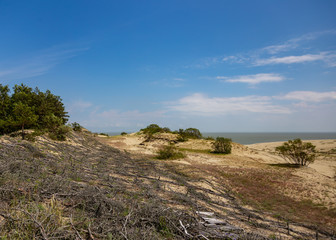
column 83, row 189
column 76, row 127
column 27, row 108
column 151, row 129
column 58, row 190
column 183, row 135
column 222, row 145
column 169, row 152
column 297, row 152
column 189, row 133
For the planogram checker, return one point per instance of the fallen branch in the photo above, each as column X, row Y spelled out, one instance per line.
column 185, row 230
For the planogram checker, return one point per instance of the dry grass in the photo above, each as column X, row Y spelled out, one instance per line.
column 265, row 190
column 83, row 189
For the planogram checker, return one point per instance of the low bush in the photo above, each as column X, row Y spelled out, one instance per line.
column 123, row 133
column 76, row 127
column 59, row 133
column 297, row 152
column 222, row 145
column 169, row 152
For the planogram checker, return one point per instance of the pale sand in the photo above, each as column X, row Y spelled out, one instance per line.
column 319, row 178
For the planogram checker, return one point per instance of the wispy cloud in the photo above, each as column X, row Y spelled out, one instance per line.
column 324, row 56
column 39, row 63
column 253, row 79
column 201, row 104
column 309, row 96
column 295, row 42
column 271, row 54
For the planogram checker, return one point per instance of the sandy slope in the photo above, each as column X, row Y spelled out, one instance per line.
column 315, row 183
column 318, row 178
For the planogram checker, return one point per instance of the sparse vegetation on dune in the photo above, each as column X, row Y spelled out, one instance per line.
column 272, row 189
column 169, row 152
column 84, row 189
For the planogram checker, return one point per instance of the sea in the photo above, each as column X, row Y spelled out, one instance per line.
column 261, row 137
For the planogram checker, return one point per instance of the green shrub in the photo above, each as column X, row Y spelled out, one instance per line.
column 59, row 134
column 123, row 133
column 169, row 152
column 181, row 138
column 192, row 133
column 222, row 145
column 76, row 127
column 297, row 152
column 151, row 129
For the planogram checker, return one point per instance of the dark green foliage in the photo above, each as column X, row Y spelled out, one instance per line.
column 169, row 152
column 297, row 152
column 28, row 108
column 23, row 115
column 123, row 133
column 192, row 133
column 151, row 129
column 222, row 145
column 76, row 127
column 154, row 128
column 166, row 129
column 59, row 133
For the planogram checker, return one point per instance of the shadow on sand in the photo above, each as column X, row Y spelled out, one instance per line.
column 286, row 165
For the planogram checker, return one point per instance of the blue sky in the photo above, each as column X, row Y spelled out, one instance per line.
column 232, row 66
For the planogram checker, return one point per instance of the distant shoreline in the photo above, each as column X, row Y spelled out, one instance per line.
column 247, row 138
column 263, row 137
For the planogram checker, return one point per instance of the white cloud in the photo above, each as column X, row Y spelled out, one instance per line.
column 254, row 79
column 200, row 104
column 309, row 96
column 292, row 59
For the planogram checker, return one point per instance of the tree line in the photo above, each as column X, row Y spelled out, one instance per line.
column 27, row 108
